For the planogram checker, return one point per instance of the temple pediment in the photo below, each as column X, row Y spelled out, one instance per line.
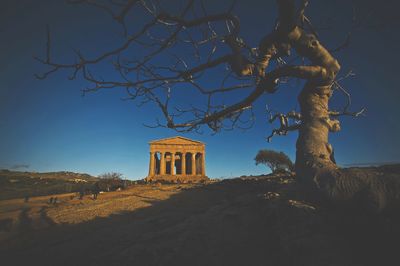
column 176, row 141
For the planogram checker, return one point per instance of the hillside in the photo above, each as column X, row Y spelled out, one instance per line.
column 259, row 220
column 61, row 175
column 16, row 184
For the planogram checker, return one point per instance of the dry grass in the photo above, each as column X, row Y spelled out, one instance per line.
column 249, row 221
column 69, row 209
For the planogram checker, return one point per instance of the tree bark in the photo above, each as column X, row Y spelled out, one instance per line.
column 315, row 164
column 314, row 153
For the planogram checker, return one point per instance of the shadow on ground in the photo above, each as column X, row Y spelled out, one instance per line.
column 264, row 221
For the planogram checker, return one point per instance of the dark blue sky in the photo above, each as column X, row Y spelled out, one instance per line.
column 47, row 125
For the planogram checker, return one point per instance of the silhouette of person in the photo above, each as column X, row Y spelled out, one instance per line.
column 96, row 190
column 81, row 194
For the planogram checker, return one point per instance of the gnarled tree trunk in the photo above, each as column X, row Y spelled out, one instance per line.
column 314, row 153
column 315, row 163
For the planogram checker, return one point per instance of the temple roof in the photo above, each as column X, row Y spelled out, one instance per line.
column 176, row 140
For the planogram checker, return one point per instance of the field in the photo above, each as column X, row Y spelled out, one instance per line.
column 244, row 221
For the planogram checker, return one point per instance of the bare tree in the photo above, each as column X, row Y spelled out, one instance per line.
column 151, row 70
column 111, row 175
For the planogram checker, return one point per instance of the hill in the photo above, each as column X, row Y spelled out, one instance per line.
column 257, row 220
column 16, row 184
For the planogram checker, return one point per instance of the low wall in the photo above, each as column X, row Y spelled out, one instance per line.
column 177, row 178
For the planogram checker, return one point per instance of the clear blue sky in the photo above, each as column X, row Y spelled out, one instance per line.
column 45, row 125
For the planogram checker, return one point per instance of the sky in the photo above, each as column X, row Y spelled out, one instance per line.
column 46, row 125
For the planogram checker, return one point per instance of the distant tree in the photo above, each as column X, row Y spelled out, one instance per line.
column 275, row 160
column 110, row 181
column 111, row 175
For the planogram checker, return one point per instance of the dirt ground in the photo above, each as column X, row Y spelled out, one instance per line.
column 249, row 221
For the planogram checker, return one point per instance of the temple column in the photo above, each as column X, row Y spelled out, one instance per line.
column 173, row 163
column 193, row 163
column 151, row 165
column 183, row 163
column 203, row 164
column 162, row 163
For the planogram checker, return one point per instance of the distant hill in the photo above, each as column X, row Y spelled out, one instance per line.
column 63, row 175
column 388, row 168
column 17, row 184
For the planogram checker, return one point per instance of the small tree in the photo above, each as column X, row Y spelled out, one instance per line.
column 111, row 175
column 274, row 160
column 110, row 181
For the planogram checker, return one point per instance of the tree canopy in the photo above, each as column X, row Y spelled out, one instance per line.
column 192, row 48
column 274, row 160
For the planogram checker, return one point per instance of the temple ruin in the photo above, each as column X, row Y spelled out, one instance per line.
column 177, row 159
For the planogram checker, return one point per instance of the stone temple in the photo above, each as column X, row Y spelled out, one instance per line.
column 177, row 159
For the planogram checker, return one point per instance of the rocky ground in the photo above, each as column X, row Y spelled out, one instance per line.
column 265, row 220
